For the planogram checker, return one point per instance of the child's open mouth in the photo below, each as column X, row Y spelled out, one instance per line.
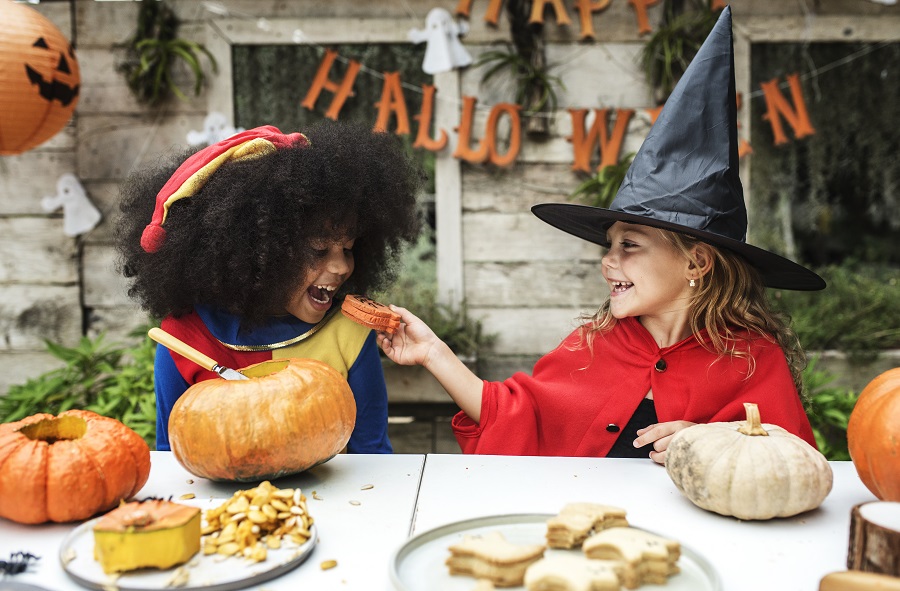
column 621, row 286
column 320, row 294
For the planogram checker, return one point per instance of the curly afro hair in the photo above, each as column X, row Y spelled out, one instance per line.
column 242, row 242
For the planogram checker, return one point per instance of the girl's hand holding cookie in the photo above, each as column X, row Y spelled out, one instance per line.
column 411, row 343
column 660, row 435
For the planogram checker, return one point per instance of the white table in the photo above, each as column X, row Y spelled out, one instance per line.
column 783, row 554
column 415, row 493
column 361, row 538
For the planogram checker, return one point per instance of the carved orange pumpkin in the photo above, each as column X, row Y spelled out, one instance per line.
column 289, row 416
column 68, row 467
column 873, row 435
column 39, row 79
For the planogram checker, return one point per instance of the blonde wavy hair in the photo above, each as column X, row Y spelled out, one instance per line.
column 729, row 299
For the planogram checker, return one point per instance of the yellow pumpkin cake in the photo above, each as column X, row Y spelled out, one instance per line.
column 148, row 534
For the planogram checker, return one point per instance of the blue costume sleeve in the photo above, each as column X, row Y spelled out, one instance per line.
column 169, row 386
column 366, row 379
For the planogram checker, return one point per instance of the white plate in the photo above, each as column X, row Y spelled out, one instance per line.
column 419, row 564
column 205, row 572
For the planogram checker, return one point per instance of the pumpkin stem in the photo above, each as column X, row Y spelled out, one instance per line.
column 753, row 426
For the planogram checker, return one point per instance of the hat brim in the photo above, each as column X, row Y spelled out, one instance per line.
column 591, row 224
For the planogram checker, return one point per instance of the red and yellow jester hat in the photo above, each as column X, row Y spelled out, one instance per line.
column 196, row 170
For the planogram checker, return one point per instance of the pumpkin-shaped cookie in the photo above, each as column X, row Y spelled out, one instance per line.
column 68, row 467
column 289, row 416
column 748, row 469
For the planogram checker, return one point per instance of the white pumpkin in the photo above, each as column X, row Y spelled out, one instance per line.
column 747, row 469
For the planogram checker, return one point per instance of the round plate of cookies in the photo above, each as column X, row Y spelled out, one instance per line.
column 153, row 544
column 585, row 546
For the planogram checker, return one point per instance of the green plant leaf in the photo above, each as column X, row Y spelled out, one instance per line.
column 112, row 380
column 153, row 50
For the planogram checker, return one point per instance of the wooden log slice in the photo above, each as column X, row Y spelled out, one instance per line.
column 875, row 538
column 854, row 580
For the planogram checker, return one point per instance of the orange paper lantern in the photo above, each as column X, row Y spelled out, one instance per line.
column 39, row 79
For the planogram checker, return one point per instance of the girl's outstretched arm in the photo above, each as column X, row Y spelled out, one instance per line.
column 415, row 343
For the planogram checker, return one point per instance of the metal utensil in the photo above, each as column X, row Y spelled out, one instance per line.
column 182, row 348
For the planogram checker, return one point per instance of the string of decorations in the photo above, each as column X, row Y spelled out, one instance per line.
column 590, row 127
column 300, row 38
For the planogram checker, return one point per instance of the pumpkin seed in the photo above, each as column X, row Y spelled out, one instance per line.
column 259, row 553
column 367, row 487
column 270, row 512
column 179, row 578
column 239, row 505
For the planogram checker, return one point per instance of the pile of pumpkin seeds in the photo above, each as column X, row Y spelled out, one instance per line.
column 254, row 521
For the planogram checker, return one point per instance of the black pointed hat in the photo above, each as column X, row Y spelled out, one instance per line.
column 685, row 178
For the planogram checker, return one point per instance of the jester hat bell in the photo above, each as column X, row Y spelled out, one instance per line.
column 684, row 177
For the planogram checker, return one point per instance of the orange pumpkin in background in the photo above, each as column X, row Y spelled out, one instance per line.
column 68, row 467
column 291, row 415
column 39, row 79
column 873, row 435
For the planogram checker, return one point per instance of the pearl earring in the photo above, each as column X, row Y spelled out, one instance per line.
column 692, row 283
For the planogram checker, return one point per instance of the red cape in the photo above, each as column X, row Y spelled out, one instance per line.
column 576, row 400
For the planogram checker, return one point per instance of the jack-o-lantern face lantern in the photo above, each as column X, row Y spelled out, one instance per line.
column 39, row 79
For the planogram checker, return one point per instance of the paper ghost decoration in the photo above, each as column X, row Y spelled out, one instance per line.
column 444, row 50
column 215, row 129
column 79, row 214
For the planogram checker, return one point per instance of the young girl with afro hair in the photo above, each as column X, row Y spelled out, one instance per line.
column 246, row 249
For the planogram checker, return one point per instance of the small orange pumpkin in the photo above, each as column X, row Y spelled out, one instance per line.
column 39, row 79
column 289, row 416
column 68, row 467
column 873, row 435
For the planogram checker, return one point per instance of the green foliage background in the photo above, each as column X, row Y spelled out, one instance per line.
column 110, row 379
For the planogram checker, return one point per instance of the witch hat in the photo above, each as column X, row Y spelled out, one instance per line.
column 684, row 177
